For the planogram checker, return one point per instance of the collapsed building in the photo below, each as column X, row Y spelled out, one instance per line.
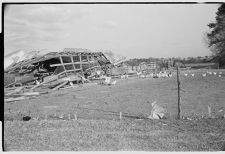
column 82, row 63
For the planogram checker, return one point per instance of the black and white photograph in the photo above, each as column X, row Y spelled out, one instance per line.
column 129, row 76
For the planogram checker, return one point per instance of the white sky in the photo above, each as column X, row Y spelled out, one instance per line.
column 140, row 30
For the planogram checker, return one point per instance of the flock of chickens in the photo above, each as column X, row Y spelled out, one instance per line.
column 205, row 74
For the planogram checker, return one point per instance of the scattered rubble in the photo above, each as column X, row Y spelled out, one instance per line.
column 53, row 70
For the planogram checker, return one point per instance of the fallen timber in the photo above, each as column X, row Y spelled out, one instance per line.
column 15, row 90
column 53, row 70
column 61, row 85
column 15, row 99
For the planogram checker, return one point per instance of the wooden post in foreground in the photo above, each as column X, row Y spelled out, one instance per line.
column 75, row 116
column 46, row 116
column 178, row 89
column 69, row 116
column 120, row 115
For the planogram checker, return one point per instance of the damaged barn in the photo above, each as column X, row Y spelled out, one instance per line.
column 77, row 64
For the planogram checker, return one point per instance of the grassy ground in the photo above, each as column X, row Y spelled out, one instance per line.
column 98, row 127
column 104, row 135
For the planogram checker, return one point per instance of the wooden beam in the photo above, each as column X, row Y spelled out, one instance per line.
column 60, row 57
column 54, row 65
column 92, row 67
column 72, row 62
column 54, row 78
column 88, row 61
column 25, row 94
column 15, row 91
column 81, row 65
column 61, row 85
column 15, row 99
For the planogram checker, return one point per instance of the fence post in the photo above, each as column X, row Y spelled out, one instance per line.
column 69, row 116
column 209, row 111
column 178, row 89
column 46, row 116
column 75, row 116
column 120, row 115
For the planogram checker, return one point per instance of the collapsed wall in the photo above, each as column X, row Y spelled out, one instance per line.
column 82, row 61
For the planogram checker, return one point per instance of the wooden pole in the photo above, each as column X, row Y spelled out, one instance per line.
column 178, row 89
column 72, row 62
column 62, row 84
column 75, row 116
column 81, row 65
column 209, row 111
column 89, row 64
column 69, row 117
column 46, row 116
column 62, row 63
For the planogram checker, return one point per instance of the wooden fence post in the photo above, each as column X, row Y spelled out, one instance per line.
column 69, row 117
column 46, row 116
column 75, row 116
column 209, row 111
column 178, row 89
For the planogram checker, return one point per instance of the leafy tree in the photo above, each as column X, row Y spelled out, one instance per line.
column 216, row 37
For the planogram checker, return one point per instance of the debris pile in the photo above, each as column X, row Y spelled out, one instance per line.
column 53, row 70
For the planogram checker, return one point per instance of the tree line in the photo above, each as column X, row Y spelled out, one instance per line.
column 169, row 62
column 216, row 37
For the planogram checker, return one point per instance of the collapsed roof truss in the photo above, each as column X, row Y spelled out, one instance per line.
column 67, row 52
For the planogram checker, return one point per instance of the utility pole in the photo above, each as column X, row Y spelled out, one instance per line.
column 178, row 89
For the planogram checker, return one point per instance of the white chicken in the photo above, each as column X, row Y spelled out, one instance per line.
column 113, row 82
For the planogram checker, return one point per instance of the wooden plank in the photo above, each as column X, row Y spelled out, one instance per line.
column 10, row 84
column 54, row 78
column 89, row 64
column 50, row 78
column 15, row 99
column 13, row 88
column 71, row 78
column 30, row 94
column 15, row 91
column 54, row 65
column 72, row 62
column 24, row 94
column 93, row 67
column 60, row 57
column 61, row 85
column 81, row 65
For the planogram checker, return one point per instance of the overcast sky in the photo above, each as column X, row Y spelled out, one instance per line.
column 148, row 30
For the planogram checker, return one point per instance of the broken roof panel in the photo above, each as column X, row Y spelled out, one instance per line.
column 99, row 56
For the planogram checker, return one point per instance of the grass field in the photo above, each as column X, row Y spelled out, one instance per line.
column 98, row 126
